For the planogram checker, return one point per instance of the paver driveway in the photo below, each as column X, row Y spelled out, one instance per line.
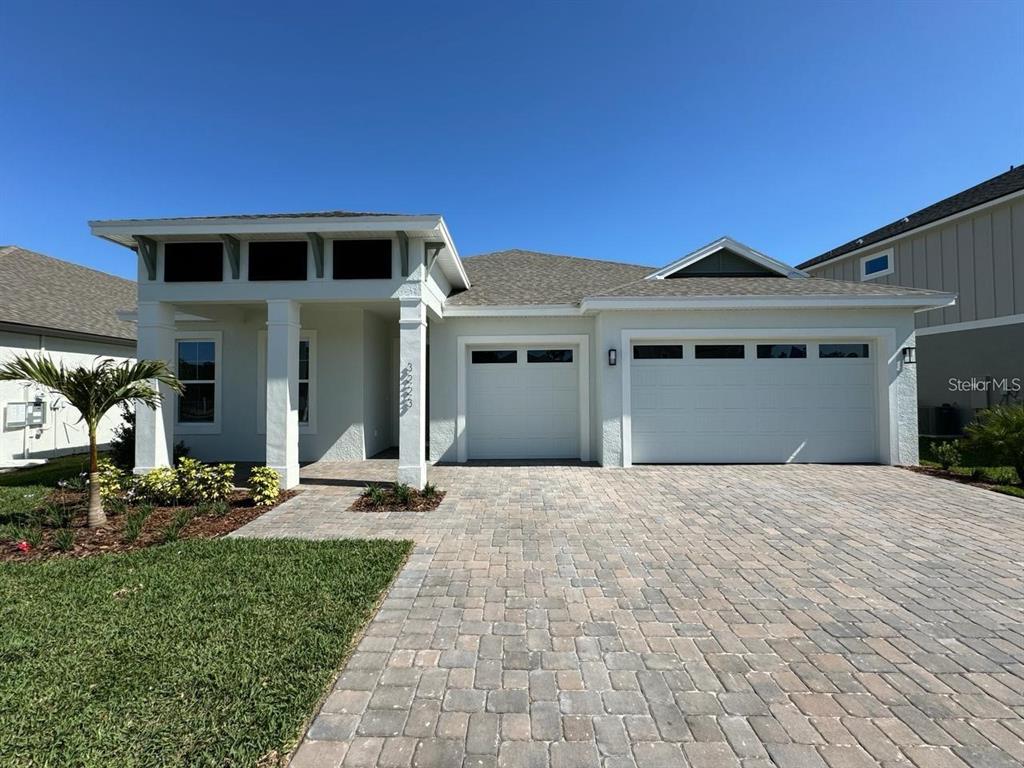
column 670, row 616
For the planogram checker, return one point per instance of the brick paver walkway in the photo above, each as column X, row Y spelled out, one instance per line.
column 800, row 616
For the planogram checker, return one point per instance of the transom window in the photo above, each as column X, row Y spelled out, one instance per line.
column 490, row 356
column 361, row 260
column 842, row 350
column 657, row 351
column 876, row 265
column 781, row 351
column 719, row 352
column 193, row 262
column 278, row 260
column 197, row 371
column 549, row 356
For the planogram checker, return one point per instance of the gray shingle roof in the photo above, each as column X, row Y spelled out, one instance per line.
column 509, row 278
column 996, row 187
column 515, row 277
column 44, row 292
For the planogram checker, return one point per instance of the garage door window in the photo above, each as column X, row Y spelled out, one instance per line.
column 549, row 356
column 719, row 352
column 658, row 352
column 781, row 351
column 843, row 350
column 490, row 356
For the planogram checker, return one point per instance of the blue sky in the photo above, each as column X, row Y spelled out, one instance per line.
column 629, row 131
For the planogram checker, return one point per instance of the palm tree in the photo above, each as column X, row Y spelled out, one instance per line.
column 94, row 391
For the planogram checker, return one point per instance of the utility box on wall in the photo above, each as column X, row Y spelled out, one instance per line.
column 21, row 415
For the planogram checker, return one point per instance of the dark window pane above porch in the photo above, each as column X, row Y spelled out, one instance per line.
column 196, row 360
column 278, row 260
column 193, row 262
column 362, row 260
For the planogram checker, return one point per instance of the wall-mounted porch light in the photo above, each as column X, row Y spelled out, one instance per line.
column 613, row 357
column 910, row 355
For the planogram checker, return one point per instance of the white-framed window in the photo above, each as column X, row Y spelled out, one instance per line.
column 307, row 383
column 876, row 265
column 197, row 363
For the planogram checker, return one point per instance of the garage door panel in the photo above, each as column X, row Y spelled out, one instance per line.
column 754, row 410
column 522, row 410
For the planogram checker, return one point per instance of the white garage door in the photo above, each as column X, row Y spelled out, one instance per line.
column 746, row 401
column 522, row 402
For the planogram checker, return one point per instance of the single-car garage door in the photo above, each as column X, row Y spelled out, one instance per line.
column 753, row 401
column 522, row 402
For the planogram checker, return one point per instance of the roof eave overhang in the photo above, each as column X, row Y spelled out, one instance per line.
column 917, row 303
column 124, row 231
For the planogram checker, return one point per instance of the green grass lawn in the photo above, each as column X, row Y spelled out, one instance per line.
column 203, row 653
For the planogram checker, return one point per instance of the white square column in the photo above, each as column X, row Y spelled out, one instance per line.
column 412, row 390
column 283, row 390
column 154, row 428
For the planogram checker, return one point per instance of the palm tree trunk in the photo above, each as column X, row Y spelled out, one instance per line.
column 97, row 518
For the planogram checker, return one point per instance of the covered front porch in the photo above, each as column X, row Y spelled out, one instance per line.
column 283, row 382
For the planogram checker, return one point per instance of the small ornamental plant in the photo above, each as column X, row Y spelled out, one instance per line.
column 264, row 485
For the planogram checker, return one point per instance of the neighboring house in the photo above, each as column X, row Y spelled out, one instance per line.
column 969, row 355
column 307, row 336
column 68, row 312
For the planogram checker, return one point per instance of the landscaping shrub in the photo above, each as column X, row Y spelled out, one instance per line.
column 134, row 522
column 160, row 486
column 265, row 485
column 429, row 491
column 403, row 493
column 947, row 453
column 113, row 480
column 375, row 494
column 198, row 482
column 177, row 524
column 64, row 539
column 997, row 437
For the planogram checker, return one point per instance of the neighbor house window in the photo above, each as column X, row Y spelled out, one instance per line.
column 197, row 370
column 876, row 265
column 781, row 351
column 362, row 260
column 719, row 352
column 657, row 351
column 193, row 262
column 488, row 356
column 842, row 350
column 549, row 356
column 278, row 260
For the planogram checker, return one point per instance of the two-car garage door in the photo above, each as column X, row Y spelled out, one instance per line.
column 752, row 401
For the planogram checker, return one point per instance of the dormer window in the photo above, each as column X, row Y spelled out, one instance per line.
column 876, row 265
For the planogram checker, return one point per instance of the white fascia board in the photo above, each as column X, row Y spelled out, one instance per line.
column 768, row 302
column 920, row 229
column 455, row 268
column 727, row 243
column 123, row 230
column 524, row 310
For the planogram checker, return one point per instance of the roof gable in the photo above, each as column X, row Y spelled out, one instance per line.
column 726, row 257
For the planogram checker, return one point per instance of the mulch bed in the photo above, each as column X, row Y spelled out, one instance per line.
column 110, row 538
column 390, row 503
column 955, row 477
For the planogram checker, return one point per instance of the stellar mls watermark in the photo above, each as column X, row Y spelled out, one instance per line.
column 1006, row 384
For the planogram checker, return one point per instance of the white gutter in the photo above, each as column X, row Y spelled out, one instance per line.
column 918, row 303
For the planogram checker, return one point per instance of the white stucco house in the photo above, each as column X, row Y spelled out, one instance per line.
column 338, row 335
column 69, row 313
